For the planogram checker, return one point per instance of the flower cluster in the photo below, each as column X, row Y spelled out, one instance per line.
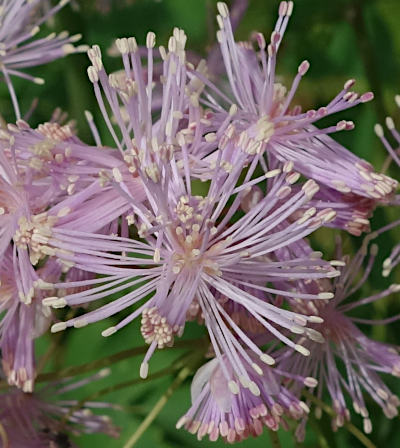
column 201, row 211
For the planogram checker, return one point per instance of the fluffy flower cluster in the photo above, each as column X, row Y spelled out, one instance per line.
column 201, row 211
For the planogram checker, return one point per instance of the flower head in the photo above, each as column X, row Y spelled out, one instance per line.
column 264, row 402
column 264, row 122
column 192, row 252
column 345, row 361
column 51, row 184
column 23, row 321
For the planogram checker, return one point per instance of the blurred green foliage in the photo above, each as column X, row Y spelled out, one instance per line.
column 342, row 39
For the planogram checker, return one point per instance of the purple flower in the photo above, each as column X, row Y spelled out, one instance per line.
column 352, row 211
column 51, row 184
column 131, row 99
column 49, row 179
column 345, row 361
column 191, row 251
column 264, row 122
column 216, row 412
column 20, row 22
column 43, row 418
column 23, row 321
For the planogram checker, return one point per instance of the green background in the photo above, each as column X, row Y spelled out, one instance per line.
column 341, row 39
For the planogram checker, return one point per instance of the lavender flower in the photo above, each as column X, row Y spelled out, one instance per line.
column 217, row 413
column 50, row 184
column 265, row 124
column 352, row 211
column 394, row 258
column 131, row 99
column 22, row 322
column 345, row 345
column 191, row 251
column 33, row 171
column 20, row 20
column 44, row 419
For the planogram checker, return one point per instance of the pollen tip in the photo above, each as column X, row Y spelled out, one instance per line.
column 326, row 295
column 394, row 287
column 304, row 351
column 254, row 389
column 390, row 123
column 144, row 370
column 49, row 301
column 257, row 368
column 104, row 372
column 39, row 81
column 109, row 331
column 337, row 263
column 223, row 9
column 150, row 40
column 59, row 326
column 267, row 359
column 368, row 96
column 378, row 130
column 303, row 68
column 181, row 422
column 315, row 319
column 387, row 263
column 233, row 387
column 309, row 381
column 88, row 115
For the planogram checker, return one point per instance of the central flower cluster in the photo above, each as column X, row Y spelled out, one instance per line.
column 193, row 250
column 34, row 234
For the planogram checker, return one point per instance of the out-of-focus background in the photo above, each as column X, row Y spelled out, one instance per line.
column 342, row 39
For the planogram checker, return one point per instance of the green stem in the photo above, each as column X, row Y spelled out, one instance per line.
column 110, row 389
column 349, row 426
column 104, row 362
column 273, row 436
column 182, row 375
column 193, row 361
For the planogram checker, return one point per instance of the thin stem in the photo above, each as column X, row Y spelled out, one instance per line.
column 104, row 362
column 192, row 362
column 182, row 375
column 92, row 365
column 109, row 389
column 107, row 361
column 273, row 435
column 349, row 426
